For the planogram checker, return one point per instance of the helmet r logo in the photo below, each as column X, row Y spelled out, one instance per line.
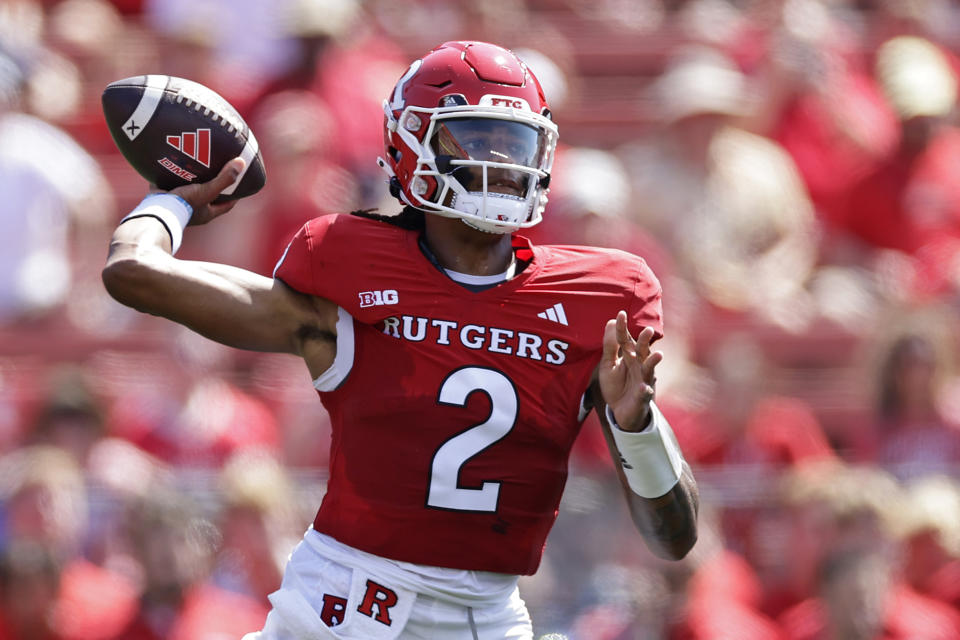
column 397, row 102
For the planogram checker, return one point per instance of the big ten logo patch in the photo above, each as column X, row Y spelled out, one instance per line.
column 376, row 603
column 376, row 298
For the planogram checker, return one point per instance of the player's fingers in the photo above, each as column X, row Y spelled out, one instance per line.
column 224, row 179
column 645, row 337
column 611, row 346
column 200, row 195
column 643, row 343
column 221, row 208
column 626, row 341
column 649, row 366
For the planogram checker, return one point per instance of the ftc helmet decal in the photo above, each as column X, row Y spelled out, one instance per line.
column 504, row 101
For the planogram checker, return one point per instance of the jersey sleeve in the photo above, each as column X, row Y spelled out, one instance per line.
column 646, row 307
column 294, row 267
column 343, row 259
column 314, row 261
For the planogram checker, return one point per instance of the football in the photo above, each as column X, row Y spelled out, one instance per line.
column 175, row 131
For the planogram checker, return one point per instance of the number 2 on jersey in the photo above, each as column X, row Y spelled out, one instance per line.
column 444, row 491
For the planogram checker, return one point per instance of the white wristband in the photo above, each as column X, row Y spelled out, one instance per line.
column 651, row 459
column 171, row 210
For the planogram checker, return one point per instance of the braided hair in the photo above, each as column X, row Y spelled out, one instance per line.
column 410, row 218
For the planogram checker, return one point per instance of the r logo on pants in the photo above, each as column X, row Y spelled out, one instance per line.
column 376, row 603
column 379, row 597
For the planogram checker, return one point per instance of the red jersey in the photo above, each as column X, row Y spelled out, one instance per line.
column 453, row 412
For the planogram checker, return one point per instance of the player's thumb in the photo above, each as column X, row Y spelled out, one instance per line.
column 228, row 174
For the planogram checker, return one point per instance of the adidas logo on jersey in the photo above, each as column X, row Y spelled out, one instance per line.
column 554, row 314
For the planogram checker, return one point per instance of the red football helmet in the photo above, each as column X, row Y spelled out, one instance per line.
column 468, row 135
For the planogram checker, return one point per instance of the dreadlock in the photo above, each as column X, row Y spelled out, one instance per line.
column 409, row 218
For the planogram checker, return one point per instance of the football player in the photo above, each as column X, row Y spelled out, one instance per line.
column 457, row 361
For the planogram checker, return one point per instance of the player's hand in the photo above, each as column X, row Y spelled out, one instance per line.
column 200, row 196
column 626, row 373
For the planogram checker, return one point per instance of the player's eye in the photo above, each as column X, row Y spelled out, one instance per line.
column 475, row 147
column 517, row 150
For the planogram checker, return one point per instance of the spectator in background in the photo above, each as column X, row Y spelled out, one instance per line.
column 219, row 419
column 298, row 136
column 557, row 75
column 591, row 205
column 930, row 530
column 44, row 498
column 173, row 544
column 50, row 186
column 232, row 46
column 623, row 602
column 259, row 522
column 310, row 28
column 859, row 597
column 71, row 417
column 88, row 38
column 821, row 102
column 248, row 50
column 723, row 595
column 818, row 510
column 208, row 423
column 910, row 202
column 861, row 584
column 723, row 600
column 886, row 19
column 729, row 203
column 71, row 420
column 749, row 426
column 746, row 422
column 910, row 434
column 46, row 505
column 29, row 582
column 351, row 66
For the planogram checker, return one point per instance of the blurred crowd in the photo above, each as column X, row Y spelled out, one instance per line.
column 787, row 167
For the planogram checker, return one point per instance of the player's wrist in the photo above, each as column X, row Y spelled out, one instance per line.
column 639, row 423
column 651, row 458
column 171, row 210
